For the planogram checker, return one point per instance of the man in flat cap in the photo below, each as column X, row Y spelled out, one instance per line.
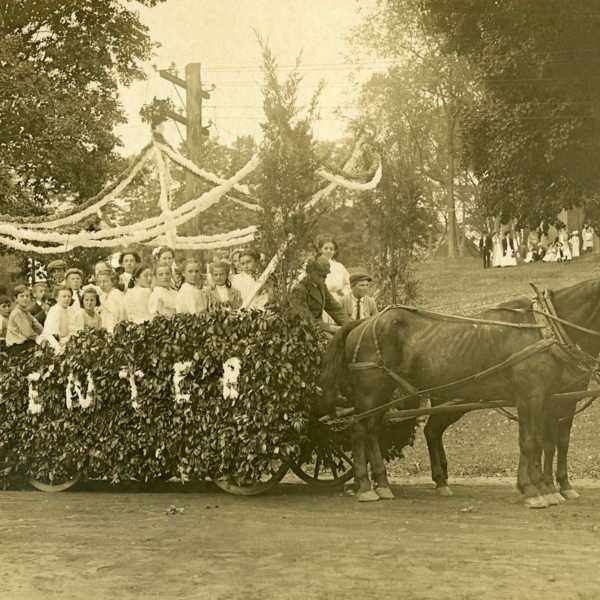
column 357, row 303
column 310, row 296
column 56, row 272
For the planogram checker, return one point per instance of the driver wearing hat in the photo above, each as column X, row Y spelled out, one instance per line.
column 310, row 296
column 357, row 303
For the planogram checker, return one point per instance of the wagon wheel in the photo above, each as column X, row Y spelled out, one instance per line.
column 53, row 486
column 324, row 466
column 254, row 488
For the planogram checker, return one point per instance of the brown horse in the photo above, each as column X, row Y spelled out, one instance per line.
column 428, row 350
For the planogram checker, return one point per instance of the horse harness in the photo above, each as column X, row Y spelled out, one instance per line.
column 554, row 339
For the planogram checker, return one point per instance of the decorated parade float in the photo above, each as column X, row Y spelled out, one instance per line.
column 225, row 395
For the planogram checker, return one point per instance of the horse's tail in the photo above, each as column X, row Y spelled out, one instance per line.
column 334, row 368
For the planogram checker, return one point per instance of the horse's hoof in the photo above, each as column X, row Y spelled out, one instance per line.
column 570, row 494
column 550, row 499
column 536, row 502
column 559, row 498
column 385, row 493
column 369, row 496
column 443, row 490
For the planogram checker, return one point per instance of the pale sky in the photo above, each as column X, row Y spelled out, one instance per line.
column 219, row 34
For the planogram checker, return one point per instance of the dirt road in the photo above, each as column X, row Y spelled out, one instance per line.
column 295, row 544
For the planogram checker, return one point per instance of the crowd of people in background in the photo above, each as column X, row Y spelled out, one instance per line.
column 55, row 308
column 508, row 249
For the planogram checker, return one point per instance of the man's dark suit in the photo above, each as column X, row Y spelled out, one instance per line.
column 309, row 300
column 485, row 248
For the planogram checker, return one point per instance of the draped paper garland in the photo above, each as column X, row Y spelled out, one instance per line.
column 162, row 229
column 200, row 204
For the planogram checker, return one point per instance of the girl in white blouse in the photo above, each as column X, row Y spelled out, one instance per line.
column 163, row 299
column 190, row 298
column 137, row 297
column 111, row 310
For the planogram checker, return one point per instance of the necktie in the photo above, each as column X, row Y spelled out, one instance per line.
column 357, row 315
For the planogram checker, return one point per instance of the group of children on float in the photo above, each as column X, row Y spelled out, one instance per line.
column 54, row 310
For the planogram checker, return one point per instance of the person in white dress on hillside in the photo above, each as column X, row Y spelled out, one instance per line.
column 190, row 298
column 112, row 300
column 588, row 238
column 497, row 251
column 565, row 248
column 163, row 299
column 137, row 297
column 509, row 254
column 575, row 243
column 338, row 280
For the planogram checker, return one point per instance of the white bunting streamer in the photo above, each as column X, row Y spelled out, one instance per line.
column 352, row 185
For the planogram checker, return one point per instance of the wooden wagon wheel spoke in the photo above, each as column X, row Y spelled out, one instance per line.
column 320, row 467
column 317, row 466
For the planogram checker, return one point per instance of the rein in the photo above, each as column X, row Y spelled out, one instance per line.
column 557, row 339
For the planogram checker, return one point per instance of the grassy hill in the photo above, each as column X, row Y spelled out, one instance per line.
column 484, row 443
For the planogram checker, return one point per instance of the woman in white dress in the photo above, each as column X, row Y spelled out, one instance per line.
column 588, row 238
column 190, row 298
column 497, row 251
column 552, row 253
column 163, row 299
column 575, row 244
column 137, row 297
column 509, row 258
column 563, row 238
column 112, row 300
column 338, row 280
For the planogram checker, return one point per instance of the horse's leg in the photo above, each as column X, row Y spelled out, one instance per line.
column 378, row 469
column 548, row 489
column 359, row 457
column 530, row 450
column 564, row 437
column 434, row 432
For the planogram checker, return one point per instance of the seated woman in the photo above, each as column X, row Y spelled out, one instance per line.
column 163, row 299
column 190, row 298
column 87, row 317
column 137, row 297
column 21, row 329
column 220, row 293
column 57, row 324
column 552, row 254
column 111, row 310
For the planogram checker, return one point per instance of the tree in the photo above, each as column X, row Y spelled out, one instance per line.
column 287, row 179
column 62, row 62
column 533, row 134
column 426, row 87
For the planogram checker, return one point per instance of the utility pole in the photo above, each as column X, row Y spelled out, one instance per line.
column 196, row 132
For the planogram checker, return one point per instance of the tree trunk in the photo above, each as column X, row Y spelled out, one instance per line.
column 451, row 203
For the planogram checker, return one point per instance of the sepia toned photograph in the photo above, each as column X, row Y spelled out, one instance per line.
column 299, row 299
